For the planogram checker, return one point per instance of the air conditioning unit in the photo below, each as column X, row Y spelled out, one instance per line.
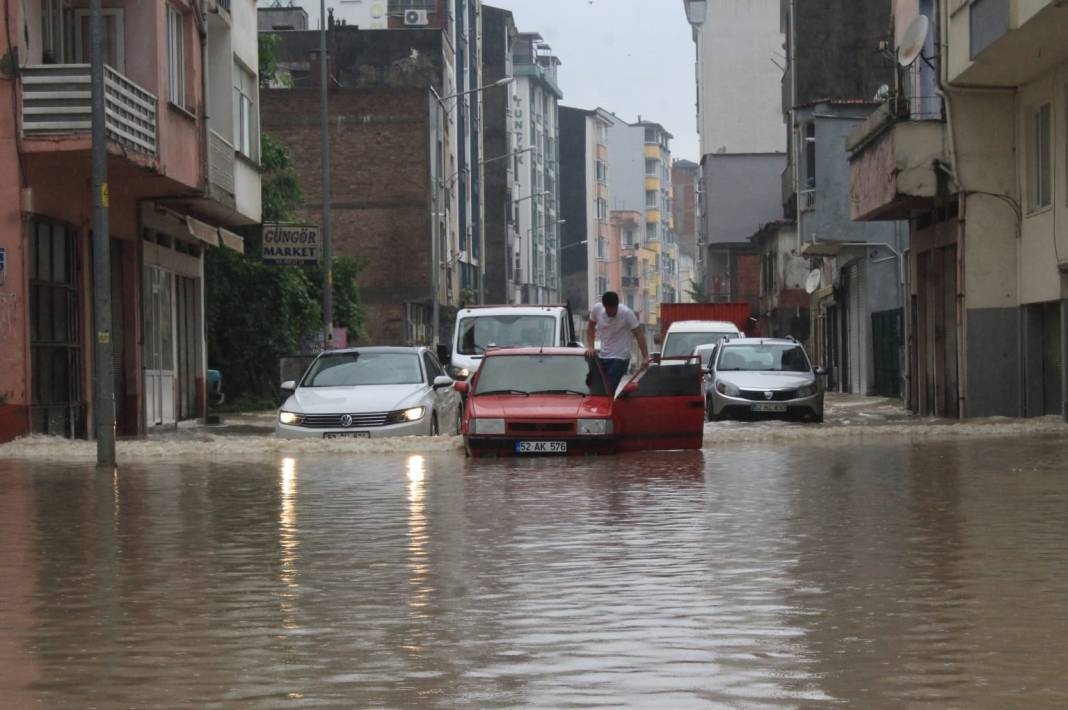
column 416, row 18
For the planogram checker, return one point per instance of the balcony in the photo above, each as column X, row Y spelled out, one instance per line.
column 56, row 100
column 631, row 281
column 892, row 166
column 1006, row 42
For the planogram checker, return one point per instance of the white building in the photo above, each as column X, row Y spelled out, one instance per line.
column 536, row 125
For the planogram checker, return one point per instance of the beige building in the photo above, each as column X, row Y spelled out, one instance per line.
column 972, row 149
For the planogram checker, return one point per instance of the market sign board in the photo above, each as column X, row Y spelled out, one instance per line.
column 291, row 244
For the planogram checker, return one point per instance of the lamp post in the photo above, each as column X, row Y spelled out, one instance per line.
column 435, row 258
column 324, row 149
column 103, row 374
column 695, row 11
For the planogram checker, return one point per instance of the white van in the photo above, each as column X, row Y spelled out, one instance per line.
column 480, row 328
column 684, row 336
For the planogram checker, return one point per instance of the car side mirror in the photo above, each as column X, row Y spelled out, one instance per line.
column 460, row 386
column 442, row 381
column 289, row 386
column 820, row 371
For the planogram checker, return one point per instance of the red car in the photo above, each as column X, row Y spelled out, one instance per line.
column 555, row 401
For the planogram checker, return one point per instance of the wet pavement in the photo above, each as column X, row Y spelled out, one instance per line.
column 783, row 566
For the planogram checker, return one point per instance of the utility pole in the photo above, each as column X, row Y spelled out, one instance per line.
column 103, row 372
column 324, row 148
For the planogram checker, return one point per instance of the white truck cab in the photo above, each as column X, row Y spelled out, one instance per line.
column 684, row 336
column 482, row 328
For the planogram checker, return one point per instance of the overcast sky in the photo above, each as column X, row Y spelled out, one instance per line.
column 628, row 56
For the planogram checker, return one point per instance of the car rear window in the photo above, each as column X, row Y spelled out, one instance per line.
column 683, row 344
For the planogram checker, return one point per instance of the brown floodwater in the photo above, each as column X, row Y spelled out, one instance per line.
column 867, row 574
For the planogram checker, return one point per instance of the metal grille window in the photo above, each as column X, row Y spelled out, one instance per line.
column 55, row 331
column 175, row 57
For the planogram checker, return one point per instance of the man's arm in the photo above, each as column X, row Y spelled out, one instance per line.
column 639, row 335
column 591, row 337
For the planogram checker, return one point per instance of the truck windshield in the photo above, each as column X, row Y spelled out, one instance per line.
column 763, row 358
column 540, row 374
column 683, row 344
column 354, row 369
column 479, row 333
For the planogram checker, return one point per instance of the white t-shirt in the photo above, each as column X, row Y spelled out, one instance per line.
column 615, row 333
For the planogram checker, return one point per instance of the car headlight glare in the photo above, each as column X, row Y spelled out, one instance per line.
column 288, row 418
column 728, row 389
column 806, row 391
column 487, row 426
column 403, row 416
column 593, row 427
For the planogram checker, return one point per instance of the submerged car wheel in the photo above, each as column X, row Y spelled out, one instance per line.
column 459, row 421
column 708, row 409
column 434, row 425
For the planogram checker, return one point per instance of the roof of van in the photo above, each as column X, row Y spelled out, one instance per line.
column 702, row 326
column 525, row 308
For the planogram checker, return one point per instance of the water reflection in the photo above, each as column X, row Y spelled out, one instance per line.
column 878, row 576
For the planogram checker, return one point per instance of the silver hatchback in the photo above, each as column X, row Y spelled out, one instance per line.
column 763, row 377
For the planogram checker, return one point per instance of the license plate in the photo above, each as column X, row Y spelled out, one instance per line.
column 769, row 407
column 347, row 435
column 541, row 447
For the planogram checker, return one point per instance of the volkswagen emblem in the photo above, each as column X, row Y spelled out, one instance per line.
column 346, row 420
column 769, row 395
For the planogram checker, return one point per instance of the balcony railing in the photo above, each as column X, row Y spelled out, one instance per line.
column 631, row 281
column 57, row 99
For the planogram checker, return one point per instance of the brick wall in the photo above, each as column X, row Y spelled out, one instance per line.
column 379, row 168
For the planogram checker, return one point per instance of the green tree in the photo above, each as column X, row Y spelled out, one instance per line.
column 697, row 292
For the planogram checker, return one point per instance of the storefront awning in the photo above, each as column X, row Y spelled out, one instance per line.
column 231, row 240
column 202, row 231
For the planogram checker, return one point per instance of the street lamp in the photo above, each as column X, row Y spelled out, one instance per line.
column 442, row 99
column 695, row 11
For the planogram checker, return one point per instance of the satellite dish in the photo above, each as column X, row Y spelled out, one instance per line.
column 883, row 93
column 913, row 41
column 812, row 283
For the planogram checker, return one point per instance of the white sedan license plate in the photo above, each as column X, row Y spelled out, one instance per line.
column 769, row 407
column 347, row 435
column 541, row 447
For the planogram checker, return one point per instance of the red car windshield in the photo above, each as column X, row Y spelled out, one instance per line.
column 540, row 374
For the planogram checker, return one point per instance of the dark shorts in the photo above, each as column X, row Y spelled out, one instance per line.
column 614, row 370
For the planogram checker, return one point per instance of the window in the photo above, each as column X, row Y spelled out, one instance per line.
column 602, row 210
column 650, row 134
column 602, row 172
column 602, row 251
column 650, row 231
column 114, row 44
column 175, row 57
column 246, row 133
column 650, row 198
column 652, row 166
column 1038, row 152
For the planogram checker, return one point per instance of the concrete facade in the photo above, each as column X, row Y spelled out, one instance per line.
column 686, row 214
column 172, row 194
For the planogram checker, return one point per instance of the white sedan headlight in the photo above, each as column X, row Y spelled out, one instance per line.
column 593, row 427
column 404, row 416
column 806, row 391
column 728, row 389
column 487, row 426
column 288, row 418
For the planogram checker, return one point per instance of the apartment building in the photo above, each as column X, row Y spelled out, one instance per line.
column 536, row 198
column 686, row 190
column 640, row 181
column 970, row 149
column 589, row 259
column 183, row 148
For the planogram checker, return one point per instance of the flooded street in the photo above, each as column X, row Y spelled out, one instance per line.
column 873, row 573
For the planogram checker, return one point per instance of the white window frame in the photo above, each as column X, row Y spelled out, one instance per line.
column 175, row 56
column 1039, row 158
column 246, row 113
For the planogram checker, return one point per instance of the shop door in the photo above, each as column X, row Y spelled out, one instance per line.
column 187, row 310
column 57, row 394
column 159, row 347
column 856, row 333
column 664, row 411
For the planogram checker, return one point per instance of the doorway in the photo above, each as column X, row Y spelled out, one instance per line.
column 159, row 346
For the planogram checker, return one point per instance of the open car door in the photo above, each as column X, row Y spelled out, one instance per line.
column 661, row 407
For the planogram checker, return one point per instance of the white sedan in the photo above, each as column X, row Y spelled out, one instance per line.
column 370, row 392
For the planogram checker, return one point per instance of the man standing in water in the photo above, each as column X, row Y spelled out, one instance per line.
column 615, row 325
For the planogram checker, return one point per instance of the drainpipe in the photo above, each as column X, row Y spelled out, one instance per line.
column 202, row 30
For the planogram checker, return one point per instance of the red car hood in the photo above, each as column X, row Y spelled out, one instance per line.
column 539, row 406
